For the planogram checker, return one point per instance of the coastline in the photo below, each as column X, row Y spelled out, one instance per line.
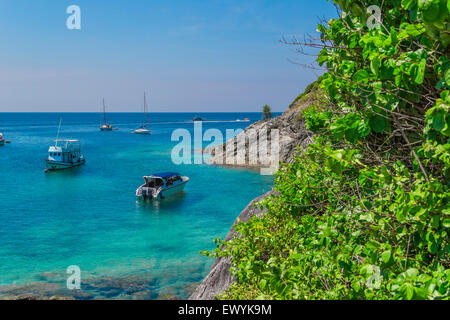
column 294, row 137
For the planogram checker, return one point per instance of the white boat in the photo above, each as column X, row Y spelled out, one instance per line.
column 161, row 185
column 105, row 126
column 142, row 130
column 64, row 154
column 2, row 139
column 145, row 128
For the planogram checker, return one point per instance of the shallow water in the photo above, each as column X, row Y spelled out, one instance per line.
column 89, row 216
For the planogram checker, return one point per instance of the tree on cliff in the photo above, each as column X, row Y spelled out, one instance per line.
column 267, row 112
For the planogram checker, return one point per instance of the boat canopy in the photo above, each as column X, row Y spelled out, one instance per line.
column 66, row 145
column 163, row 175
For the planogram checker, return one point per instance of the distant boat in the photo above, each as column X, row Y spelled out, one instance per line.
column 64, row 154
column 2, row 139
column 105, row 126
column 161, row 185
column 246, row 120
column 197, row 119
column 145, row 128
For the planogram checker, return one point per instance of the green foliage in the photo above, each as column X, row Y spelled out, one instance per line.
column 364, row 212
column 311, row 89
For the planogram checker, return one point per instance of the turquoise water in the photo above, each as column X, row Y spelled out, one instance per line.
column 89, row 216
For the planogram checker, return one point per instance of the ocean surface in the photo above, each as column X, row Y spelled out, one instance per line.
column 89, row 216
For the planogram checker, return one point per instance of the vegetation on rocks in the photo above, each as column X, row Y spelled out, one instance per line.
column 363, row 213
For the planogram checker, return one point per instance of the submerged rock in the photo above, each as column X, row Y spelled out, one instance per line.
column 219, row 278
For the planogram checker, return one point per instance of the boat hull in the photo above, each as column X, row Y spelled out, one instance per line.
column 106, row 129
column 166, row 192
column 56, row 165
column 173, row 190
column 142, row 132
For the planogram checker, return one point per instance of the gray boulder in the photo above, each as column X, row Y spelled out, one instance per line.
column 219, row 278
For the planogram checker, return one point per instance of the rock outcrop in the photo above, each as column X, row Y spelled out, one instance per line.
column 292, row 134
column 220, row 279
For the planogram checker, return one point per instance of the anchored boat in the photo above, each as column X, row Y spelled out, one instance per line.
column 105, row 126
column 161, row 185
column 2, row 139
column 145, row 128
column 197, row 119
column 64, row 154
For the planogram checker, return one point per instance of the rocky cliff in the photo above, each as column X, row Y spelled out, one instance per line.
column 220, row 279
column 293, row 134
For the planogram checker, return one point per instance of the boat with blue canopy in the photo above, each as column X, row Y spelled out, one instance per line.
column 161, row 185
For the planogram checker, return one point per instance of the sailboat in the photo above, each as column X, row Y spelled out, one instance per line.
column 105, row 126
column 145, row 128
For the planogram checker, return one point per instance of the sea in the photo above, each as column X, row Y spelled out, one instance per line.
column 85, row 224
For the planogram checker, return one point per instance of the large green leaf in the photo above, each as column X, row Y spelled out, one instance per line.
column 406, row 4
column 378, row 124
column 439, row 120
column 447, row 76
column 420, row 73
column 375, row 65
column 362, row 76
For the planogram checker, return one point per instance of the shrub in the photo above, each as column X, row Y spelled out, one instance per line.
column 363, row 213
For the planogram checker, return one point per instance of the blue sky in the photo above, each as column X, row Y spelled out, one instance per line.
column 189, row 56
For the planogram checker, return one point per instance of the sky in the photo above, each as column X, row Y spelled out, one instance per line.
column 188, row 56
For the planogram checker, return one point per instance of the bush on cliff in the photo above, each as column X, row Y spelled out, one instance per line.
column 363, row 213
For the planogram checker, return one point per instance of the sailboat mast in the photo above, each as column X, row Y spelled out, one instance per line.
column 59, row 129
column 104, row 111
column 146, row 110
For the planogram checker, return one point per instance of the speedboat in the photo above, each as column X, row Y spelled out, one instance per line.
column 161, row 185
column 2, row 139
column 64, row 154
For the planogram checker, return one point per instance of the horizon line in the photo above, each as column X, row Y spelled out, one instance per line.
column 197, row 112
